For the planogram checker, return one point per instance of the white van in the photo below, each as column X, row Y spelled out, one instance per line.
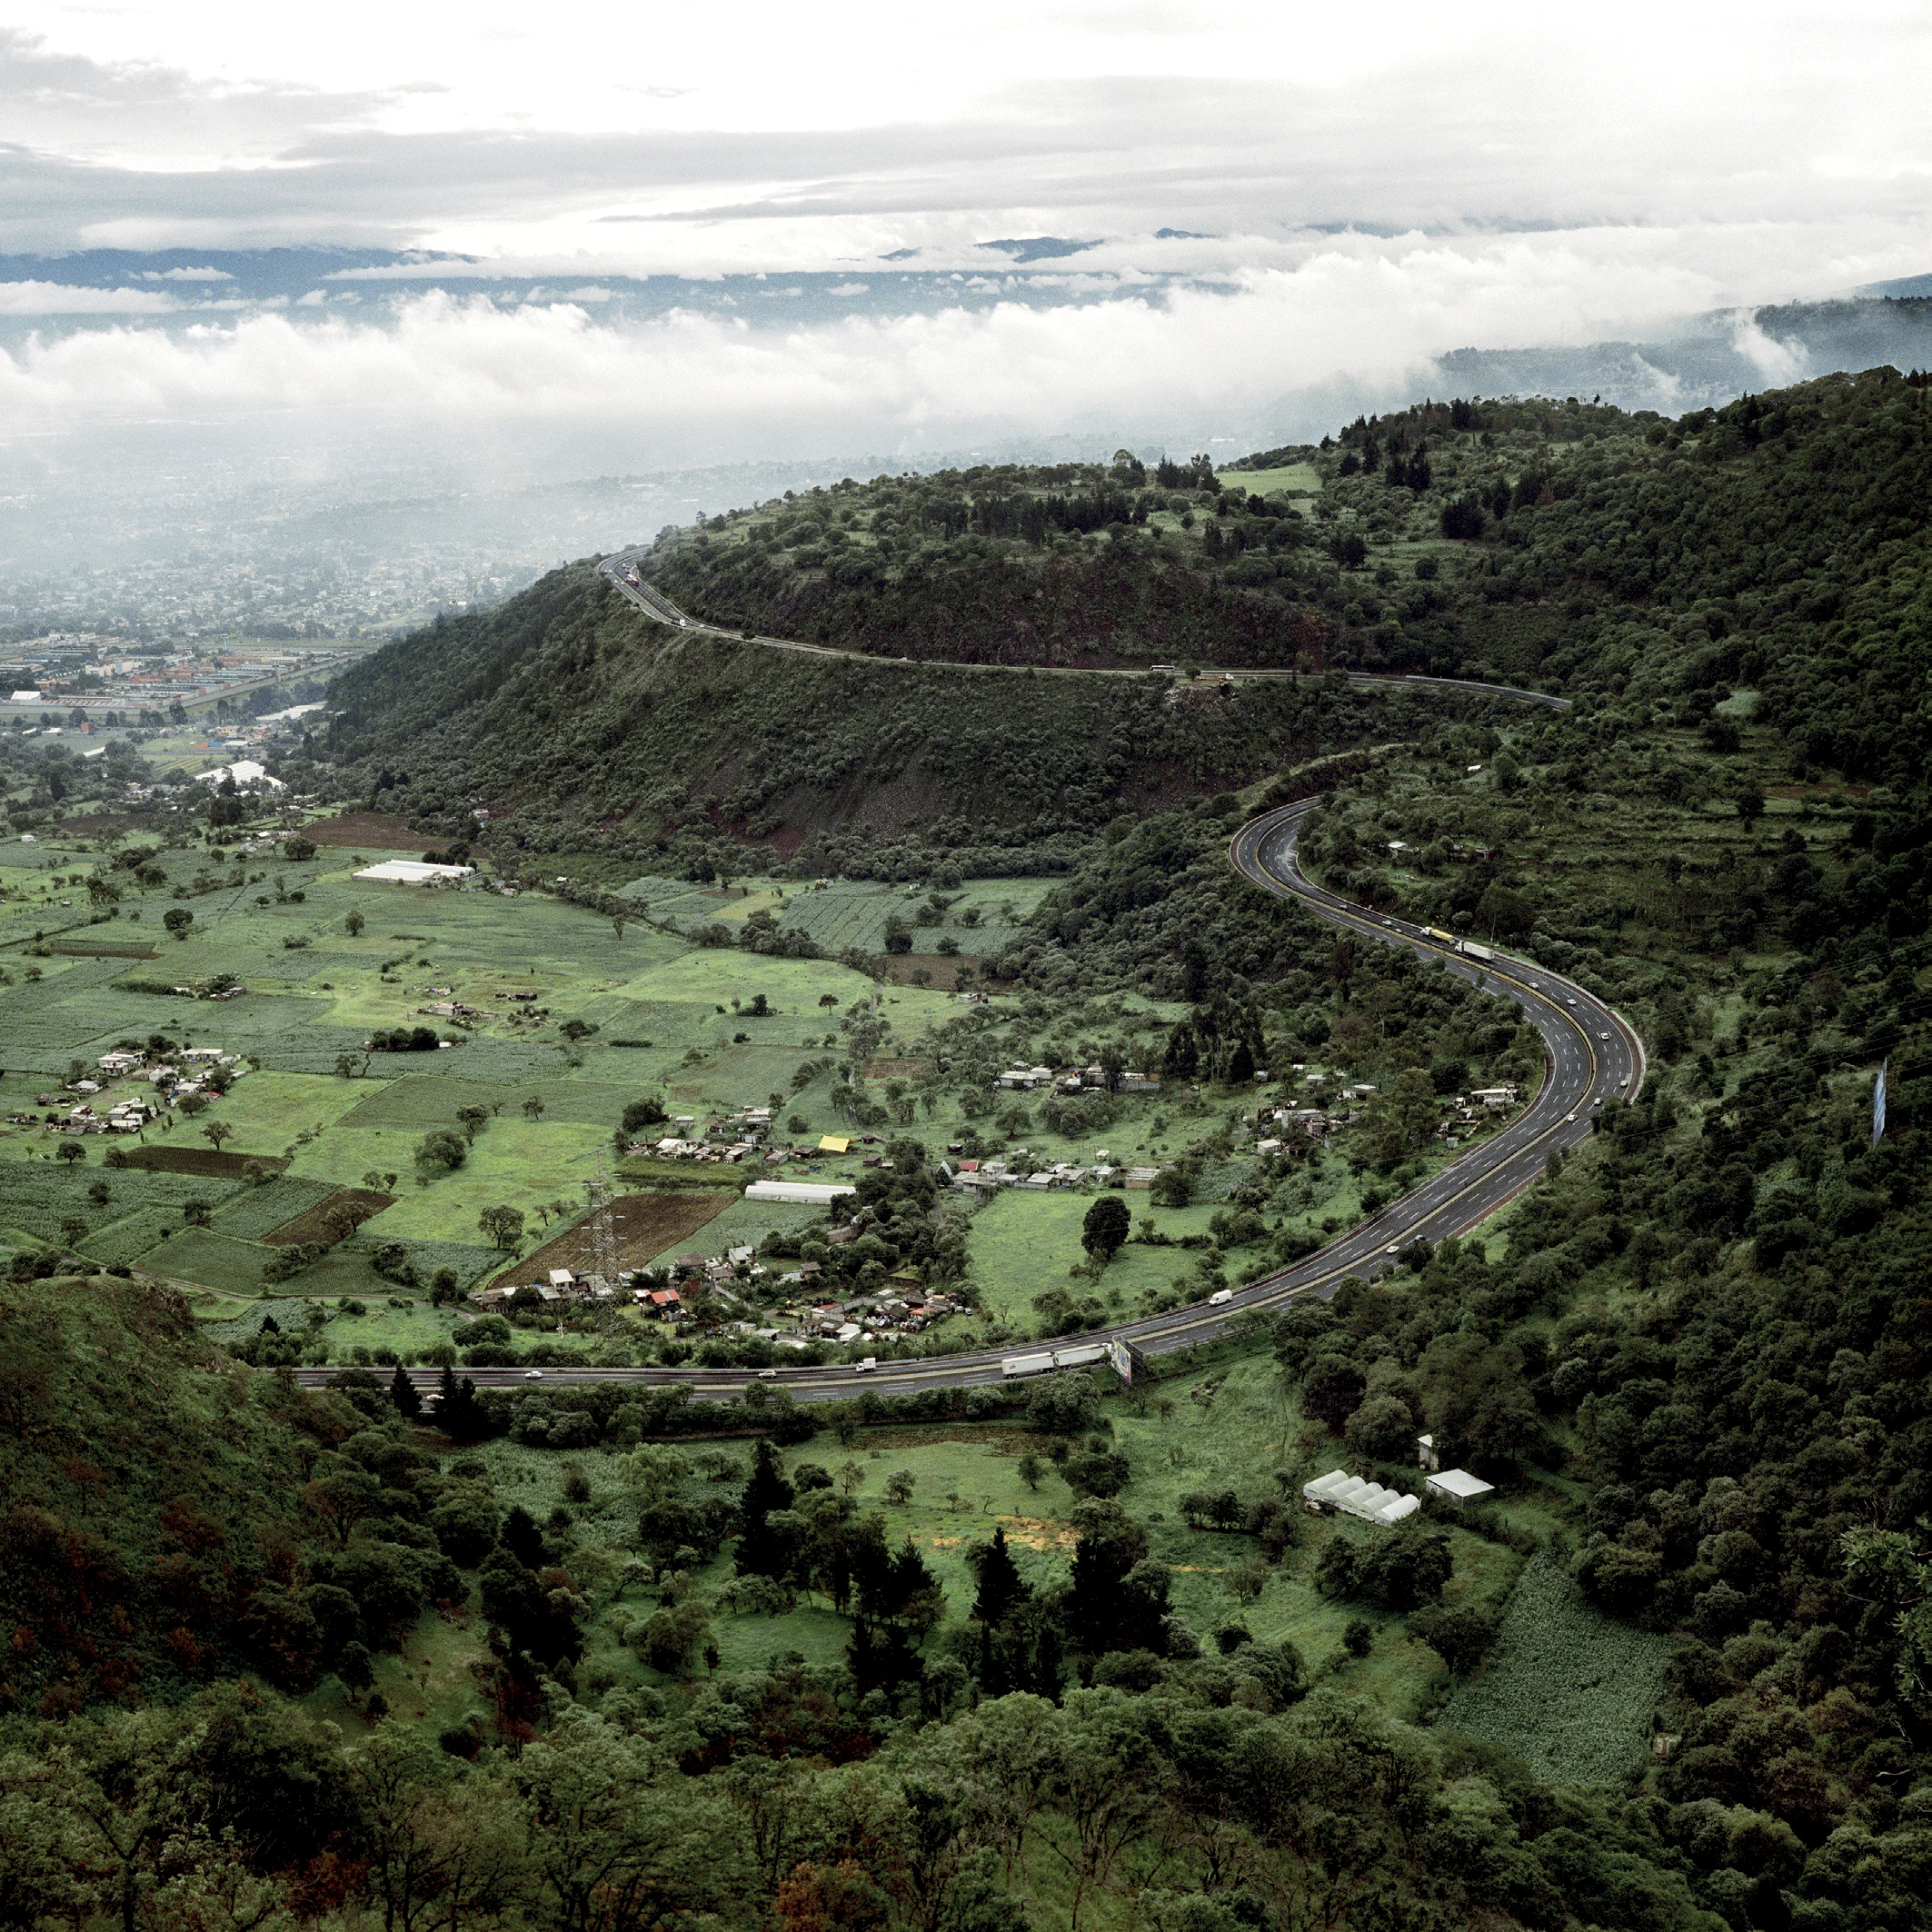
column 1221, row 1297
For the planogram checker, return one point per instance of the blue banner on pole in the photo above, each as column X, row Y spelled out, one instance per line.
column 1879, row 1103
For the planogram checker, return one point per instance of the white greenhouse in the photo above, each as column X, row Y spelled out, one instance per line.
column 1355, row 1496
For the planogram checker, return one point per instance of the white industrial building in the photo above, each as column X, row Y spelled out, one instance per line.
column 1460, row 1486
column 243, row 772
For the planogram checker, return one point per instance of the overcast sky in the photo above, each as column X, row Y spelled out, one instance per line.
column 1361, row 188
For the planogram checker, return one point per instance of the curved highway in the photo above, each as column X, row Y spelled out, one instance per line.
column 1590, row 1055
column 622, row 573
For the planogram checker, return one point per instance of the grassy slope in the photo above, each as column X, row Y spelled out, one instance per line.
column 595, row 733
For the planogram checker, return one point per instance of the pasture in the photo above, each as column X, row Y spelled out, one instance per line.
column 1296, row 479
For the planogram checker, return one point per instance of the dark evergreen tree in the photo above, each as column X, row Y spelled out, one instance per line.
column 1106, row 1225
column 1182, row 1060
column 522, row 1538
column 402, row 1393
column 456, row 1411
column 759, row 1553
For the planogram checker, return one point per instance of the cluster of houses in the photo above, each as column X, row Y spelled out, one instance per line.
column 982, row 1179
column 185, row 1071
column 191, row 1075
column 1283, row 1126
column 733, row 1138
column 1467, row 1112
column 449, row 1009
column 1320, row 1114
column 125, row 1117
column 1073, row 1079
column 901, row 1307
column 524, row 1006
column 222, row 986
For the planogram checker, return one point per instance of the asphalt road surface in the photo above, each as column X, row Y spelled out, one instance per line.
column 1590, row 1055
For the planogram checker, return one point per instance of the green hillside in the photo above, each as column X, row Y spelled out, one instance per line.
column 1774, row 546
column 586, row 728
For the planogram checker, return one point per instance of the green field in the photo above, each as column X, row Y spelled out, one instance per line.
column 1567, row 1689
column 1235, row 1426
column 980, row 917
column 1298, row 479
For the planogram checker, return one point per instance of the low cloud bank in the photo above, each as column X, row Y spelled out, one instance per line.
column 698, row 388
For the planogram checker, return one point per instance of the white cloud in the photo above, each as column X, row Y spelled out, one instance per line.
column 1359, row 190
column 713, row 139
column 1777, row 362
column 56, row 298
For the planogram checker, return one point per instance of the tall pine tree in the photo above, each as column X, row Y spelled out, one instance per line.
column 402, row 1393
column 759, row 1553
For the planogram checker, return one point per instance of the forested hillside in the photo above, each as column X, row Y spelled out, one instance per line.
column 1776, row 545
column 577, row 724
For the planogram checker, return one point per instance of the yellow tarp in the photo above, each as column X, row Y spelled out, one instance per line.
column 834, row 1144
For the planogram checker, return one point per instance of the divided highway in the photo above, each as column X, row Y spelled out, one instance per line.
column 1591, row 1055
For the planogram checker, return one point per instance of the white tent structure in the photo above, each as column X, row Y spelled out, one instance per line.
column 414, row 872
column 1354, row 1496
column 801, row 1193
column 243, row 772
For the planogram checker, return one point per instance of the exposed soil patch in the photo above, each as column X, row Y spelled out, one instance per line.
column 331, row 1221
column 379, row 831
column 81, row 949
column 1039, row 1533
column 643, row 1225
column 212, row 1163
column 897, row 1069
column 940, row 969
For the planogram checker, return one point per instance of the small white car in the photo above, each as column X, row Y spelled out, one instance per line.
column 533, row 1375
column 1393, row 1248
